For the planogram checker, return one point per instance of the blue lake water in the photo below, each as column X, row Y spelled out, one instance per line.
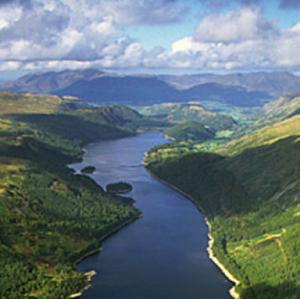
column 160, row 256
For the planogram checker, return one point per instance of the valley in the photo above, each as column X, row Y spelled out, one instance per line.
column 149, row 149
column 248, row 188
column 221, row 156
column 52, row 217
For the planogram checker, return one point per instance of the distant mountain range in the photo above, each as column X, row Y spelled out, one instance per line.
column 272, row 83
column 251, row 89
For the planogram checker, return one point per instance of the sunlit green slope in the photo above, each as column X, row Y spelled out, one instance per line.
column 250, row 191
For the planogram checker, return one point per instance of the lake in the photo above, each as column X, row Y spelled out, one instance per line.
column 163, row 255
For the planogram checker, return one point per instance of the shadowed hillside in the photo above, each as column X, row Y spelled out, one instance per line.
column 50, row 216
column 249, row 190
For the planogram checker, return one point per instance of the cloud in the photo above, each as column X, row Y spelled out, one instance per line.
column 146, row 12
column 33, row 32
column 58, row 34
column 239, row 39
column 235, row 26
column 289, row 4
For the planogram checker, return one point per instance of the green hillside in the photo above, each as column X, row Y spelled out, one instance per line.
column 177, row 113
column 190, row 131
column 14, row 103
column 249, row 190
column 49, row 216
column 282, row 108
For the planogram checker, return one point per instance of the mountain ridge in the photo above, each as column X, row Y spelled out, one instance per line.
column 241, row 89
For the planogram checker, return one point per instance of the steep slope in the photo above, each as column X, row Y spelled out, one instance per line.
column 51, row 217
column 275, row 111
column 282, row 108
column 249, row 190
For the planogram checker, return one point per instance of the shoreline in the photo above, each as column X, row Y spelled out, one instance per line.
column 230, row 277
column 89, row 275
column 212, row 257
column 219, row 264
column 92, row 273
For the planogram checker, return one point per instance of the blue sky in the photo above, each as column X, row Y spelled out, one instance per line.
column 149, row 36
column 164, row 36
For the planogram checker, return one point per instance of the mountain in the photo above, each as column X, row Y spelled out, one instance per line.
column 242, row 89
column 272, row 83
column 249, row 191
column 49, row 81
column 230, row 94
column 96, row 86
column 137, row 90
column 192, row 111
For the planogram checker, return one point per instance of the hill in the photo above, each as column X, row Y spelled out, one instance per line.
column 273, row 112
column 14, row 103
column 282, row 108
column 249, row 191
column 192, row 111
column 51, row 217
column 190, row 131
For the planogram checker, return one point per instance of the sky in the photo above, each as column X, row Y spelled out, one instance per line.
column 150, row 36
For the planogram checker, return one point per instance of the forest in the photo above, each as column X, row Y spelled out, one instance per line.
column 50, row 216
column 248, row 188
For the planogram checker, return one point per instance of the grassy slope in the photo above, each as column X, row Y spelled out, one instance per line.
column 282, row 108
column 249, row 190
column 193, row 112
column 50, row 217
column 190, row 131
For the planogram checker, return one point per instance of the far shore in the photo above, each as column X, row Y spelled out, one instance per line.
column 211, row 254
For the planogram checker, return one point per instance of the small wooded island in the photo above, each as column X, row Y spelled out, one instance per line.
column 119, row 187
column 88, row 169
